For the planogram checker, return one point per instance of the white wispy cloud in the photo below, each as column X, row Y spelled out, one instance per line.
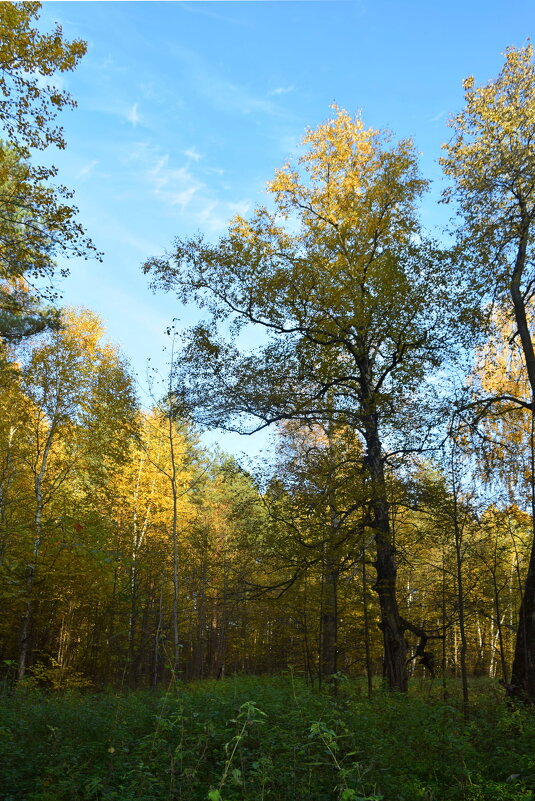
column 184, row 189
column 216, row 215
column 87, row 168
column 438, row 116
column 197, row 202
column 175, row 185
column 282, row 90
column 133, row 115
column 44, row 81
column 224, row 94
column 193, row 154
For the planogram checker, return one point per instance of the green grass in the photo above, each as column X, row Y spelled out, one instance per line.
column 265, row 739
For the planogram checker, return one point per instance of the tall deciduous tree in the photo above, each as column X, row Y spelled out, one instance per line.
column 80, row 411
column 491, row 159
column 37, row 218
column 338, row 278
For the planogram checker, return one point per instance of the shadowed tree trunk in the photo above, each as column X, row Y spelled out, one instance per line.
column 523, row 671
column 367, row 649
column 27, row 617
column 394, row 643
column 458, row 537
column 329, row 620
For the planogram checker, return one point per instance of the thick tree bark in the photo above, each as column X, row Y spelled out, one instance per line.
column 523, row 671
column 519, row 306
column 395, row 646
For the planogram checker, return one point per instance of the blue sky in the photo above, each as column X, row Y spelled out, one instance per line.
column 185, row 109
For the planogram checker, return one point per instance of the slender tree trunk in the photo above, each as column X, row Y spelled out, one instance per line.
column 499, row 622
column 199, row 651
column 109, row 658
column 329, row 619
column 174, row 524
column 457, row 531
column 138, row 537
column 444, row 660
column 174, row 534
column 309, row 667
column 5, row 482
column 27, row 617
column 367, row 649
column 155, row 667
column 213, row 638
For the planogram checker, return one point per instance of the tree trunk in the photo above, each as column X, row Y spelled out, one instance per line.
column 444, row 628
column 27, row 617
column 329, row 620
column 174, row 532
column 460, row 590
column 155, row 671
column 523, row 672
column 499, row 620
column 395, row 646
column 367, row 649
column 309, row 663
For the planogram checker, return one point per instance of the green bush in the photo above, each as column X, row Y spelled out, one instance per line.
column 252, row 739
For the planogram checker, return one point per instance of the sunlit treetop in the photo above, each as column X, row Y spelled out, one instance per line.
column 352, row 176
column 335, row 269
column 328, row 241
column 491, row 157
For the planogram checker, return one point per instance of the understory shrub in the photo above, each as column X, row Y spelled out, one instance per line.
column 264, row 739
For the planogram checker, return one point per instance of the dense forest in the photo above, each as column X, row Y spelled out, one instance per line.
column 390, row 536
column 129, row 553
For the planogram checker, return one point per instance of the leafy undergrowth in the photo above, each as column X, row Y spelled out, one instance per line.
column 268, row 739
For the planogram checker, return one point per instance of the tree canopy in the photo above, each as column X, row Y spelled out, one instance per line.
column 38, row 221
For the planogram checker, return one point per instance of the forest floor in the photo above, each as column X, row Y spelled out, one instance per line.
column 265, row 739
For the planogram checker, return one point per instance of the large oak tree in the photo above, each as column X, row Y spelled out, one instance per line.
column 351, row 302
